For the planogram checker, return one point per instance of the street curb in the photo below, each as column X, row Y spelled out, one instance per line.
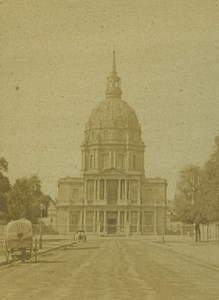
column 187, row 256
column 55, row 248
column 41, row 252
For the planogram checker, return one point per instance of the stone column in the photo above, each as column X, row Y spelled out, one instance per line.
column 98, row 189
column 85, row 192
column 67, row 221
column 97, row 159
column 155, row 221
column 80, row 220
column 138, row 222
column 118, row 223
column 127, row 160
column 95, row 191
column 85, row 215
column 83, row 160
column 127, row 229
column 98, row 216
column 98, row 229
column 125, row 198
column 125, row 218
column 119, row 186
column 105, row 189
column 142, row 160
column 114, row 158
column 139, row 192
column 128, row 194
column 104, row 222
column 98, row 223
column 94, row 221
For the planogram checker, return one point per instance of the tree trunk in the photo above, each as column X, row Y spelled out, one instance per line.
column 207, row 232
column 197, row 232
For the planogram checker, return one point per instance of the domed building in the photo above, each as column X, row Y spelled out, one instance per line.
column 113, row 197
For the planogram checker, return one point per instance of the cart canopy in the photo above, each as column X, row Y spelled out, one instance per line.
column 19, row 229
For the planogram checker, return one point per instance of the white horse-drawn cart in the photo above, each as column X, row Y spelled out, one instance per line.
column 19, row 241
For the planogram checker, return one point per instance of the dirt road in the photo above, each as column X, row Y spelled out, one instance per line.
column 110, row 269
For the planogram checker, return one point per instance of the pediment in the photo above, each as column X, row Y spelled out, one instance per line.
column 113, row 171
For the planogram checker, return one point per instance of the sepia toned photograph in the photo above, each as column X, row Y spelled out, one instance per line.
column 109, row 150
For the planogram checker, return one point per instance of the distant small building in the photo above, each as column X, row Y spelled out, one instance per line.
column 172, row 227
column 113, row 197
column 51, row 220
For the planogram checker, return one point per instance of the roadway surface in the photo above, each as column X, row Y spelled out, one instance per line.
column 110, row 269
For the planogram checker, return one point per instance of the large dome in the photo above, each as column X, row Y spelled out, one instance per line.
column 113, row 113
column 113, row 120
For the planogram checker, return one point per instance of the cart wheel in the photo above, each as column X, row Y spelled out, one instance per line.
column 35, row 255
column 7, row 257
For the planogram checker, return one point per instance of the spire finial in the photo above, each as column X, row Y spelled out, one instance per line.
column 114, row 62
column 113, row 81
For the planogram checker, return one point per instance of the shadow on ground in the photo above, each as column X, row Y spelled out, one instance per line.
column 79, row 248
column 51, row 261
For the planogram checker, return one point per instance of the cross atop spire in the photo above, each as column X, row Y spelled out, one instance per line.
column 113, row 82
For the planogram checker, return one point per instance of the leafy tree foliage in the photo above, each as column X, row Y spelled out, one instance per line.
column 3, row 164
column 189, row 206
column 210, row 188
column 25, row 198
column 4, row 189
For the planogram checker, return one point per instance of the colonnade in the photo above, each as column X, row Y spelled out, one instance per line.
column 123, row 220
column 123, row 196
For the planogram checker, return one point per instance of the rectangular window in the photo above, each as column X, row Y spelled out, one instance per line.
column 148, row 223
column 120, row 161
column 127, row 189
column 96, row 195
column 134, row 162
column 90, row 190
column 133, row 221
column 134, row 191
column 74, row 195
column 122, row 189
column 91, row 161
column 86, row 161
column 112, row 191
column 105, row 161
column 122, row 218
column 102, row 188
column 74, row 221
column 101, row 221
column 149, row 195
column 89, row 221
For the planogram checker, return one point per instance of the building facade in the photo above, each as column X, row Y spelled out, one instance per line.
column 113, row 196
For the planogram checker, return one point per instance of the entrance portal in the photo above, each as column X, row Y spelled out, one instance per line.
column 112, row 222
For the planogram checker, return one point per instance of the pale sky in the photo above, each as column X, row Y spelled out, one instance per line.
column 56, row 55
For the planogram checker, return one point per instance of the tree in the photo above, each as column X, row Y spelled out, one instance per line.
column 189, row 206
column 4, row 189
column 25, row 198
column 3, row 164
column 210, row 187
